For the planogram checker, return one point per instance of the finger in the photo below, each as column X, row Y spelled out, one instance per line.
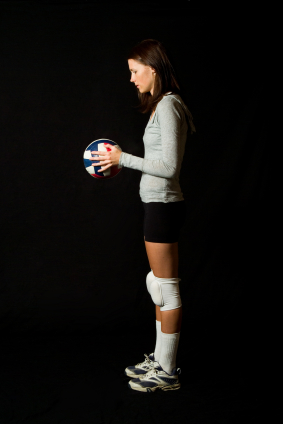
column 104, row 169
column 102, row 163
column 99, row 153
column 99, row 158
column 98, row 164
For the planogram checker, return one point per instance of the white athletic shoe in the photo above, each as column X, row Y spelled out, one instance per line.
column 155, row 379
column 141, row 368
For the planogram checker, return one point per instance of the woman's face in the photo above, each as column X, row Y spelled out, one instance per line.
column 143, row 76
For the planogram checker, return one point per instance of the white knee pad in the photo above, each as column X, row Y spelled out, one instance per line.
column 164, row 291
column 149, row 279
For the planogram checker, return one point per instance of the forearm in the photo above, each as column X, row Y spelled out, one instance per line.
column 157, row 168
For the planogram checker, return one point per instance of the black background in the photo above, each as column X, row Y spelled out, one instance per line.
column 74, row 306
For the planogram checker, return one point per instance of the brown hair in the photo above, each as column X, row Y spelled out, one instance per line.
column 152, row 53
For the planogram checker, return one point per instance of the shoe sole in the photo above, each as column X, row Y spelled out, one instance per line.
column 175, row 386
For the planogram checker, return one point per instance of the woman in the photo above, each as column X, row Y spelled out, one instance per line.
column 164, row 205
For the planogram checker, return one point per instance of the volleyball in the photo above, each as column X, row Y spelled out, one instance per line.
column 98, row 145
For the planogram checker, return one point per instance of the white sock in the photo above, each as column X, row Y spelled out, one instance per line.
column 158, row 341
column 168, row 353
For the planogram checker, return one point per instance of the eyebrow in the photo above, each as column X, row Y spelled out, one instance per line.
column 132, row 69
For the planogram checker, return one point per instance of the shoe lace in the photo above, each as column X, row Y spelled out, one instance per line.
column 149, row 373
column 147, row 361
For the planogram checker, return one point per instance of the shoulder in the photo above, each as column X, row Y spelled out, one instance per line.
column 170, row 106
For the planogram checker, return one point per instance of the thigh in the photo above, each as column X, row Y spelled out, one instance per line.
column 163, row 221
column 163, row 259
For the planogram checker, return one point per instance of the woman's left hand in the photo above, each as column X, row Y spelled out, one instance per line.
column 109, row 158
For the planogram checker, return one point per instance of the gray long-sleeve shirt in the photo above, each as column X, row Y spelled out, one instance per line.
column 164, row 141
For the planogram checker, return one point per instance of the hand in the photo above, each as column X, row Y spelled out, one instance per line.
column 111, row 157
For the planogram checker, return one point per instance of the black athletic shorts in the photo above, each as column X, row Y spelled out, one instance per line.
column 163, row 221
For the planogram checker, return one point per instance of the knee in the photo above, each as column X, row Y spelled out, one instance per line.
column 153, row 289
column 164, row 292
column 149, row 279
